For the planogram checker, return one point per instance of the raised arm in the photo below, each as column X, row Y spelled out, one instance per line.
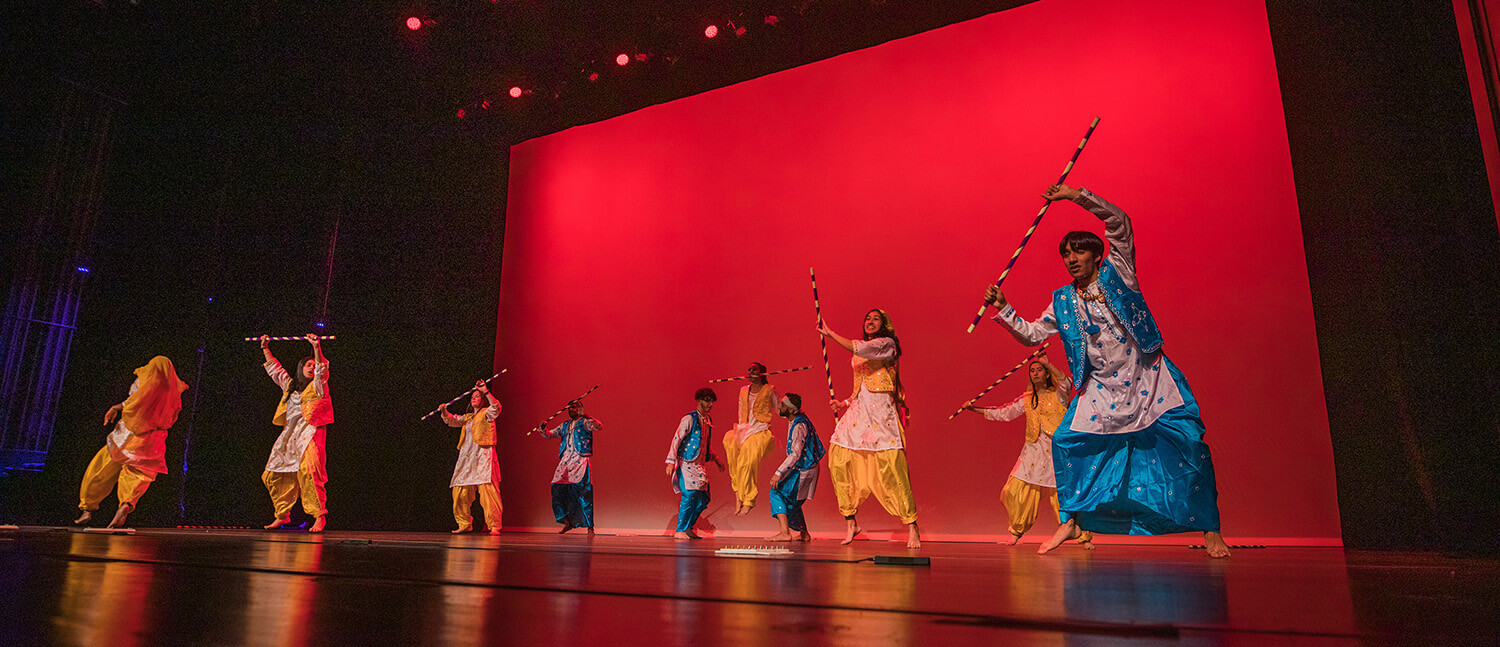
column 320, row 365
column 450, row 419
column 1117, row 229
column 273, row 367
column 841, row 340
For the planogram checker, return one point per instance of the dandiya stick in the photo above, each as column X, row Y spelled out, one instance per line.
column 827, row 371
column 560, row 411
column 1037, row 353
column 461, row 395
column 746, row 377
column 297, row 338
column 1034, row 223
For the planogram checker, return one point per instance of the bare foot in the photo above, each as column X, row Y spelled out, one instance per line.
column 321, row 523
column 125, row 508
column 83, row 517
column 494, row 531
column 566, row 527
column 681, row 535
column 746, row 510
column 853, row 532
column 804, row 536
column 1014, row 539
column 1087, row 545
column 780, row 536
column 278, row 523
column 913, row 538
column 1217, row 549
column 1064, row 532
column 462, row 529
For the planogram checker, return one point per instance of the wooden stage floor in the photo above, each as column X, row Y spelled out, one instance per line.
column 224, row 587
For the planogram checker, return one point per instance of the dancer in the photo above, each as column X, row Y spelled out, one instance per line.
column 477, row 471
column 869, row 447
column 1044, row 403
column 796, row 478
column 746, row 444
column 690, row 450
column 1129, row 453
column 136, row 450
column 572, row 481
column 297, row 463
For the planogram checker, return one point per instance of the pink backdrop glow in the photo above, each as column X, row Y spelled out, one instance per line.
column 652, row 252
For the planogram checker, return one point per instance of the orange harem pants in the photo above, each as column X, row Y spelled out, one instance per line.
column 103, row 474
column 857, row 474
column 308, row 482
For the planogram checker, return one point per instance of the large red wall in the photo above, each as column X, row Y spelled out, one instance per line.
column 657, row 250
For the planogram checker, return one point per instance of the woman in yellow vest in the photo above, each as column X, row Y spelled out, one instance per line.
column 136, row 450
column 747, row 443
column 297, row 463
column 868, row 448
column 477, row 471
column 1044, row 403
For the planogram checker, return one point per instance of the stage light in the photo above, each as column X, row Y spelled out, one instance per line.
column 515, row 92
column 711, row 31
column 413, row 23
column 319, row 324
column 485, row 104
column 622, row 59
column 84, row 270
column 771, row 20
column 594, row 76
column 460, row 113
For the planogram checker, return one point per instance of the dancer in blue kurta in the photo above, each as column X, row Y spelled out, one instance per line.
column 686, row 460
column 573, row 480
column 796, row 478
column 1129, row 453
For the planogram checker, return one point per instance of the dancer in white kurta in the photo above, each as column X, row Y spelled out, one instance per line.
column 748, row 442
column 573, row 479
column 477, row 472
column 135, row 451
column 298, row 458
column 687, row 458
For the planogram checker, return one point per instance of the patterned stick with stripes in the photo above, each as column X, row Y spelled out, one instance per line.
column 746, row 377
column 996, row 383
column 1034, row 223
column 297, row 338
column 461, row 396
column 827, row 371
column 560, row 411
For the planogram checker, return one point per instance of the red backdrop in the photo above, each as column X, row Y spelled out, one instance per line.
column 657, row 250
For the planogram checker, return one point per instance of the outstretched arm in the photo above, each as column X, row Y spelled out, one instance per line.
column 841, row 340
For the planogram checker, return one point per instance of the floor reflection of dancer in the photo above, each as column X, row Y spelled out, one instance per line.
column 796, row 479
column 1044, row 403
column 747, row 443
column 573, row 480
column 687, row 457
column 135, row 451
column 477, row 472
column 1129, row 453
column 297, row 466
column 869, row 447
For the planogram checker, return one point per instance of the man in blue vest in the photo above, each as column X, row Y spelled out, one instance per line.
column 796, row 478
column 690, row 452
column 1129, row 454
column 573, row 480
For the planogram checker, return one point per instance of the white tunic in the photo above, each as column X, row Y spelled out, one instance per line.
column 694, row 474
column 150, row 453
column 476, row 465
column 1127, row 389
column 296, row 434
column 1034, row 465
column 572, row 467
column 745, row 430
column 871, row 423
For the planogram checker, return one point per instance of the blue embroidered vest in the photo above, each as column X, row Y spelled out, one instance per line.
column 691, row 448
column 812, row 447
column 580, row 435
column 1128, row 306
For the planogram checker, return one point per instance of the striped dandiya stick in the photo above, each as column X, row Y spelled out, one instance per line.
column 461, row 395
column 560, row 411
column 746, row 377
column 1034, row 223
column 297, row 338
column 996, row 383
column 827, row 371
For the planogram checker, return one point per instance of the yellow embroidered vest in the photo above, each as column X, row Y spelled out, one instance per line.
column 875, row 375
column 316, row 410
column 765, row 405
column 483, row 430
column 1045, row 416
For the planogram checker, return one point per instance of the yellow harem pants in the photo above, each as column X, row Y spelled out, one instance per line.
column 857, row 474
column 104, row 473
column 489, row 500
column 308, row 482
column 744, row 464
column 1021, row 502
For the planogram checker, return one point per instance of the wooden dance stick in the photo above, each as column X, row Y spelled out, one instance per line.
column 746, row 377
column 827, row 371
column 298, row 338
column 1034, row 223
column 562, row 410
column 461, row 395
column 1037, row 353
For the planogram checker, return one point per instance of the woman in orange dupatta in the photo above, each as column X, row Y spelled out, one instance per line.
column 135, row 452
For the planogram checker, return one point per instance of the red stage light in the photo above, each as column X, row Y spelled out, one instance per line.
column 413, row 23
column 622, row 59
column 515, row 92
column 711, row 31
column 771, row 20
column 460, row 113
column 594, row 76
column 485, row 104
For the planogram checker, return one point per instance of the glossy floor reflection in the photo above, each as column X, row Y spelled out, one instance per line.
column 184, row 587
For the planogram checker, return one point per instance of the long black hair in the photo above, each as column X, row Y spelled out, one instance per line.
column 1051, row 384
column 298, row 382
